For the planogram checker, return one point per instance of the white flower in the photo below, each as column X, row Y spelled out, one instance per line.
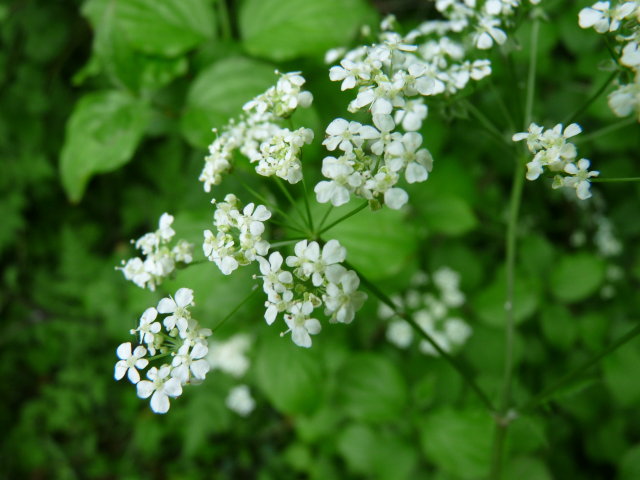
column 580, row 178
column 301, row 325
column 603, row 18
column 240, row 400
column 162, row 386
column 129, row 362
column 190, row 361
column 148, row 327
column 343, row 299
column 165, row 231
column 178, row 308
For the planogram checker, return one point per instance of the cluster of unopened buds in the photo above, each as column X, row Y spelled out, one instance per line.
column 160, row 257
column 552, row 151
column 622, row 19
column 430, row 304
column 178, row 338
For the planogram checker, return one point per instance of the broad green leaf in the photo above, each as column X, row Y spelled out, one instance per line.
column 379, row 244
column 620, row 371
column 559, row 326
column 630, row 464
column 123, row 63
column 458, row 441
column 168, row 27
column 290, row 376
column 489, row 303
column 218, row 94
column 286, row 29
column 526, row 468
column 576, row 277
column 371, row 388
column 448, row 215
column 102, row 134
column 377, row 455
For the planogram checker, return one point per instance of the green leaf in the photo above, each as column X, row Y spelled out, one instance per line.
column 377, row 252
column 123, row 63
column 559, row 327
column 449, row 215
column 620, row 370
column 371, row 388
column 458, row 441
column 218, row 94
column 167, row 28
column 377, row 455
column 102, row 134
column 576, row 277
column 286, row 29
column 489, row 303
column 290, row 376
column 526, row 468
column 630, row 464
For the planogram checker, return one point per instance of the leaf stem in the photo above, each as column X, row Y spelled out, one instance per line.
column 409, row 319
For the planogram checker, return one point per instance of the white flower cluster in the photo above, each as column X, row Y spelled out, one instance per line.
column 240, row 400
column 316, row 277
column 182, row 339
column 392, row 78
column 431, row 310
column 239, row 234
column 160, row 258
column 484, row 19
column 260, row 136
column 623, row 18
column 552, row 151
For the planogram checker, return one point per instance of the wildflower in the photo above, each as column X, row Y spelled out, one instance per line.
column 159, row 387
column 240, row 400
column 130, row 362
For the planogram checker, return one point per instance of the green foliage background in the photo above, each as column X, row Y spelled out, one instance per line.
column 106, row 111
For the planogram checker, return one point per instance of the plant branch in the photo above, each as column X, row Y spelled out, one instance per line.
column 569, row 377
column 592, row 99
column 409, row 319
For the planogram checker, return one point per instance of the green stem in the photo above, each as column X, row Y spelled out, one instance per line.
column 287, row 194
column 485, row 122
column 293, row 225
column 306, row 204
column 623, row 179
column 225, row 20
column 502, row 105
column 409, row 319
column 286, row 242
column 531, row 78
column 605, row 130
column 343, row 218
column 503, row 417
column 569, row 377
column 237, row 307
column 326, row 215
column 591, row 99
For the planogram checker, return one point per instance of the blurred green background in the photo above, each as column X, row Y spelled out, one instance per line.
column 106, row 110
